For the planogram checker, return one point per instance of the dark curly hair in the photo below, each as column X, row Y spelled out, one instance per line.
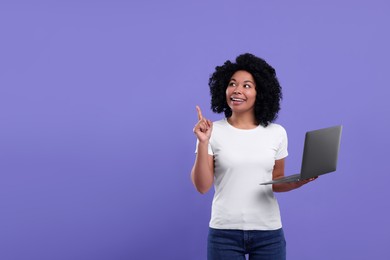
column 269, row 92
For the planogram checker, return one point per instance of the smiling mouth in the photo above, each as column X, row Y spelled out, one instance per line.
column 237, row 99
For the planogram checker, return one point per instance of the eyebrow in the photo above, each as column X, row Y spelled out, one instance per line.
column 244, row 81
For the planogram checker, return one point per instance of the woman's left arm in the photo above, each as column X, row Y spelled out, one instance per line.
column 278, row 172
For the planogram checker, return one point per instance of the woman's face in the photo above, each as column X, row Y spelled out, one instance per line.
column 241, row 92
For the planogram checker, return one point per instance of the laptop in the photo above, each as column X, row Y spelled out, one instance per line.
column 320, row 154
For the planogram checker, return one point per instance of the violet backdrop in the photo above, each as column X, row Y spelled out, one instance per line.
column 97, row 106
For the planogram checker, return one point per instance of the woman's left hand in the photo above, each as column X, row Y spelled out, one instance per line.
column 287, row 186
column 303, row 182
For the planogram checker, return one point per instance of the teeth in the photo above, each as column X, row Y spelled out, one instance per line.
column 236, row 99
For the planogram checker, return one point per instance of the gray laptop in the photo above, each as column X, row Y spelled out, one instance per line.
column 320, row 154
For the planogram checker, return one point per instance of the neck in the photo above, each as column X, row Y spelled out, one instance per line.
column 244, row 121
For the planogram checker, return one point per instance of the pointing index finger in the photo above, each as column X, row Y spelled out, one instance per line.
column 200, row 117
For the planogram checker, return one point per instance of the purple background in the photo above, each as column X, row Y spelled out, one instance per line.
column 97, row 106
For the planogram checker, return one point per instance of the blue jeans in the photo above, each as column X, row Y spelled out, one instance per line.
column 226, row 244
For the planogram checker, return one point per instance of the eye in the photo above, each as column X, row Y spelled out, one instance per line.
column 232, row 84
column 247, row 86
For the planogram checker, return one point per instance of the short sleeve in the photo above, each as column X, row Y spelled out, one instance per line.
column 210, row 150
column 283, row 143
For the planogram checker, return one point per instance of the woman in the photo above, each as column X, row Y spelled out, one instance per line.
column 237, row 154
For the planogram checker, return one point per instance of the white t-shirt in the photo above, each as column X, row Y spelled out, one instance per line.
column 242, row 160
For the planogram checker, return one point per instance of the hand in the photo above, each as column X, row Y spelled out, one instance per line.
column 303, row 182
column 203, row 128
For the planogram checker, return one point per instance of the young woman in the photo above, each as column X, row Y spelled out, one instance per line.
column 238, row 153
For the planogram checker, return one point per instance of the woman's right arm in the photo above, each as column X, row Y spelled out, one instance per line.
column 202, row 174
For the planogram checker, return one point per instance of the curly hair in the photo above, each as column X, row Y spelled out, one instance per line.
column 269, row 91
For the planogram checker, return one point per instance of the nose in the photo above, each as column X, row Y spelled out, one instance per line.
column 237, row 90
